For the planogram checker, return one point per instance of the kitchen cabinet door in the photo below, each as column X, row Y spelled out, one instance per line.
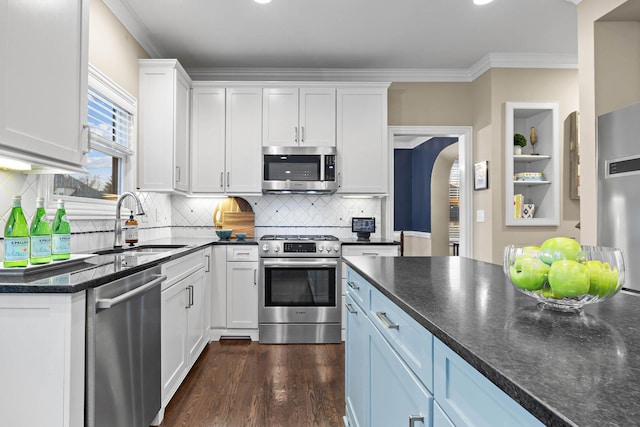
column 207, row 138
column 219, row 288
column 174, row 339
column 197, row 327
column 43, row 110
column 397, row 396
column 243, row 141
column 362, row 140
column 299, row 117
column 163, row 123
column 242, row 295
column 357, row 364
column 280, row 117
column 317, row 117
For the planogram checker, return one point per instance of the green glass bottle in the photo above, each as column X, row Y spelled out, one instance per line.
column 40, row 232
column 16, row 237
column 60, row 235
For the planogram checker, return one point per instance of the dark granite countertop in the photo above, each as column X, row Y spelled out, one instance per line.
column 567, row 369
column 372, row 241
column 103, row 269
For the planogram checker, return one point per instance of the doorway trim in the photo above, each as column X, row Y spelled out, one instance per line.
column 465, row 151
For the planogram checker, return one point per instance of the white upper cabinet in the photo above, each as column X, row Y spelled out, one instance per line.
column 534, row 176
column 208, row 139
column 42, row 110
column 163, row 123
column 362, row 140
column 226, row 136
column 243, row 154
column 295, row 116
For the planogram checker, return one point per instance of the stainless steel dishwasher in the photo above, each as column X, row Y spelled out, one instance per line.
column 123, row 351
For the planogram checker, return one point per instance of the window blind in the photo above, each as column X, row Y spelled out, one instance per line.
column 111, row 127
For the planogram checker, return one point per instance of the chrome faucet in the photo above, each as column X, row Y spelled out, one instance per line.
column 117, row 239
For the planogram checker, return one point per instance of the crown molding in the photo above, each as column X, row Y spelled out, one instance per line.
column 125, row 15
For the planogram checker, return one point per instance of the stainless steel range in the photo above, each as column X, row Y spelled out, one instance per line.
column 300, row 289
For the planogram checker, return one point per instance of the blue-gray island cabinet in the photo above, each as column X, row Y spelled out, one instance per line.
column 447, row 341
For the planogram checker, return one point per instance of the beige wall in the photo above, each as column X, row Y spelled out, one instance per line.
column 430, row 104
column 481, row 105
column 112, row 49
column 589, row 11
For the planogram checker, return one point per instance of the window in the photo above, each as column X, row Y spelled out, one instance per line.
column 111, row 125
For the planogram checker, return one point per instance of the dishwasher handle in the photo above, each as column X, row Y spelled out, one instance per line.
column 111, row 302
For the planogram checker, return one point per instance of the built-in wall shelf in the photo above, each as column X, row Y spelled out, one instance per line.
column 520, row 117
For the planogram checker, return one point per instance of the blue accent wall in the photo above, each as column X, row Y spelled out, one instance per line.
column 412, row 184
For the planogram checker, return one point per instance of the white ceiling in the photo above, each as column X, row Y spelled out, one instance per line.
column 399, row 40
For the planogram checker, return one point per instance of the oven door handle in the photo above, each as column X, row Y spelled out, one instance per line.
column 298, row 264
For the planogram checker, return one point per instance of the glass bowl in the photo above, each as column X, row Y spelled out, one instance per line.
column 224, row 234
column 593, row 274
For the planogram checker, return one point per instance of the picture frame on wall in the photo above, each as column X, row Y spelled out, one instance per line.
column 481, row 175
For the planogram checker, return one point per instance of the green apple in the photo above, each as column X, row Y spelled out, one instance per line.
column 602, row 279
column 569, row 278
column 528, row 272
column 548, row 293
column 559, row 248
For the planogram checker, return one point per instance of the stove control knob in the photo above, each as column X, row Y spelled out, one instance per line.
column 336, row 248
column 276, row 248
column 265, row 248
column 321, row 248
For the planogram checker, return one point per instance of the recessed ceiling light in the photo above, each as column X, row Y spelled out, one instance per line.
column 479, row 2
column 262, row 1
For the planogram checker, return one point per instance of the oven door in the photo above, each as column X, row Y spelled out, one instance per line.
column 300, row 290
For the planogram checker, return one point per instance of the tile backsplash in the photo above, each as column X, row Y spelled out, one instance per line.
column 282, row 214
column 186, row 216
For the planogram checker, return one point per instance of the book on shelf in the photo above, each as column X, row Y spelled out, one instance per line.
column 518, row 200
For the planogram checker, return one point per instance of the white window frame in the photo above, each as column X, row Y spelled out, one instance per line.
column 86, row 208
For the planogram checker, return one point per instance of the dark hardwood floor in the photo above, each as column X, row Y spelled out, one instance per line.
column 237, row 383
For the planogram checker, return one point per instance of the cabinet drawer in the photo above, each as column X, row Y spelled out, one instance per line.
column 180, row 268
column 242, row 253
column 411, row 340
column 358, row 288
column 468, row 398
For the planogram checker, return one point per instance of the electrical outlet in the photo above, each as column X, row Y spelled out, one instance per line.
column 480, row 215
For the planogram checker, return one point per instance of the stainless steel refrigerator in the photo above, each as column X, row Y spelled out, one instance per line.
column 619, row 187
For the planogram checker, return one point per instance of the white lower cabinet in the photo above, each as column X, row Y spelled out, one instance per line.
column 399, row 374
column 42, row 359
column 184, row 323
column 234, row 295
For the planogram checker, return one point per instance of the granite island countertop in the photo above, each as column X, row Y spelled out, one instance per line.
column 102, row 269
column 567, row 369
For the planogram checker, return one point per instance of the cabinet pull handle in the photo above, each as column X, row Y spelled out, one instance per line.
column 302, row 134
column 295, row 134
column 255, row 274
column 208, row 269
column 350, row 309
column 339, row 179
column 221, row 179
column 353, row 286
column 414, row 418
column 191, row 295
column 177, row 173
column 385, row 320
column 370, row 253
column 85, row 148
column 188, row 289
column 228, row 178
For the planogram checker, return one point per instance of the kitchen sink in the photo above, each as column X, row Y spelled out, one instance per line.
column 140, row 250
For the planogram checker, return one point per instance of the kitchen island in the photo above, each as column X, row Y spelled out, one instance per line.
column 565, row 369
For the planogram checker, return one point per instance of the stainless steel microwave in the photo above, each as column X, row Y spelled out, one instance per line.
column 299, row 170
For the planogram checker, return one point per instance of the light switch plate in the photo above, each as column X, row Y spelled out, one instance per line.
column 480, row 215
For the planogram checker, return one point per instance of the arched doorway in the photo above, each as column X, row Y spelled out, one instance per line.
column 463, row 133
